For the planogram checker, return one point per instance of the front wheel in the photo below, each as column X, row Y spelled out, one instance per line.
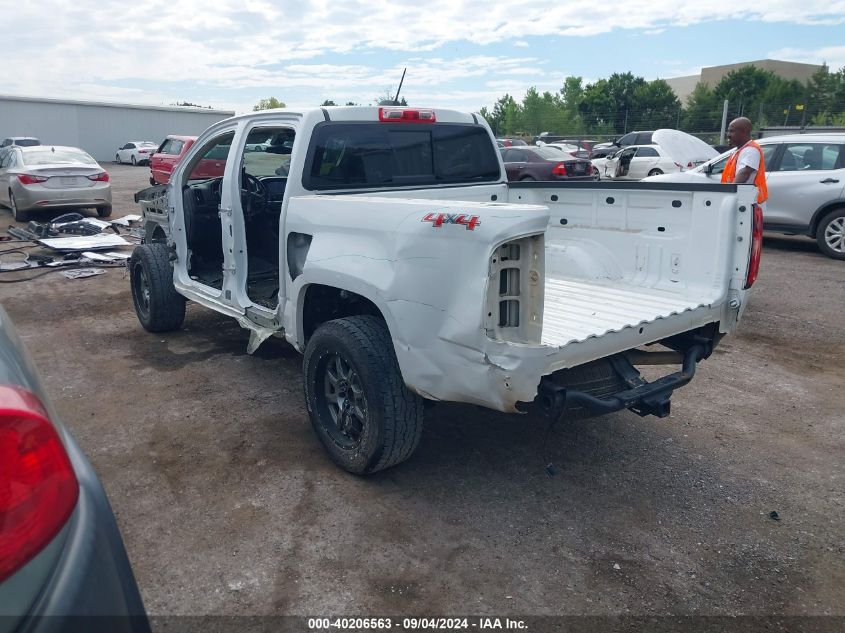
column 158, row 306
column 655, row 172
column 831, row 234
column 360, row 408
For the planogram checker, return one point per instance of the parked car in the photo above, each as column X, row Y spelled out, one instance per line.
column 168, row 155
column 510, row 142
column 544, row 163
column 631, row 138
column 136, row 152
column 805, row 176
column 568, row 148
column 61, row 553
column 20, row 141
column 52, row 177
column 635, row 162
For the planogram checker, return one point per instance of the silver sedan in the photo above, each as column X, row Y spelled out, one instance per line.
column 52, row 177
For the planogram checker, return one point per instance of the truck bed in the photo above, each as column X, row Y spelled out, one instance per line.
column 578, row 310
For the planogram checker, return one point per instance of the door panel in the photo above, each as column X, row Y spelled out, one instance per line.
column 802, row 180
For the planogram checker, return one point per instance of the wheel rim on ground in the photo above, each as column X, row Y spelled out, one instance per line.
column 834, row 235
column 342, row 398
column 142, row 289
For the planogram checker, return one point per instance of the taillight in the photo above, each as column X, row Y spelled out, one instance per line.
column 404, row 115
column 756, row 247
column 26, row 179
column 101, row 177
column 143, row 151
column 38, row 488
column 559, row 169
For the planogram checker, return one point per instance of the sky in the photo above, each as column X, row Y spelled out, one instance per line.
column 229, row 54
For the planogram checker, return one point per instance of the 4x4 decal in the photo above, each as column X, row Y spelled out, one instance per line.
column 439, row 219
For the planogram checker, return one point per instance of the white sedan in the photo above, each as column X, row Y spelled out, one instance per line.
column 638, row 161
column 136, row 152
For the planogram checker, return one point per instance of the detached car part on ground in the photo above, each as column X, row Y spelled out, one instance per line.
column 61, row 554
column 387, row 246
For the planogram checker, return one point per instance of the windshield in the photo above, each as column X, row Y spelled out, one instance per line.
column 361, row 155
column 53, row 156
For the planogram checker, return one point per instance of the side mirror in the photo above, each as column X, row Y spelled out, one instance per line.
column 709, row 169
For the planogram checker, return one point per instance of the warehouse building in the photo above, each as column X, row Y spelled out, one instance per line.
column 712, row 75
column 99, row 128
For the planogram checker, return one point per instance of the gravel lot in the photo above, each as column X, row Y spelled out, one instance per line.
column 228, row 504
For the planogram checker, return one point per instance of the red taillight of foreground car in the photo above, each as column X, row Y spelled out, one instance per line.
column 559, row 169
column 756, row 247
column 27, row 179
column 101, row 177
column 404, row 115
column 38, row 488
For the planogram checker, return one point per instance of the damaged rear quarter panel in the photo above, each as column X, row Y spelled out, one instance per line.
column 429, row 282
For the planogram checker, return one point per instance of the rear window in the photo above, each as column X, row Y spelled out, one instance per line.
column 365, row 155
column 27, row 142
column 51, row 156
column 550, row 153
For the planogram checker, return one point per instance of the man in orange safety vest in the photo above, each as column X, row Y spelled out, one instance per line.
column 746, row 165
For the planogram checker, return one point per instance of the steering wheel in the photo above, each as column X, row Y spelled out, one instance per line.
column 254, row 198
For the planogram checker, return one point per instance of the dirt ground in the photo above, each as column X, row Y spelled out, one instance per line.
column 228, row 504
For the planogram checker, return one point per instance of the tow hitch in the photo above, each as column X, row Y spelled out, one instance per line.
column 641, row 397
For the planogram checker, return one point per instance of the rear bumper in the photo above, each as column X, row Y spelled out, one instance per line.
column 34, row 197
column 643, row 398
column 92, row 587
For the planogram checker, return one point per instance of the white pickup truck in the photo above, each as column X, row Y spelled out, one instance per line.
column 387, row 246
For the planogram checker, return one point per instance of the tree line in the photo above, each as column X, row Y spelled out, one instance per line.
column 623, row 102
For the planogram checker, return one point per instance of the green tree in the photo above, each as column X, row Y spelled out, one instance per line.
column 505, row 116
column 328, row 102
column 704, row 110
column 654, row 106
column 744, row 89
column 826, row 96
column 268, row 104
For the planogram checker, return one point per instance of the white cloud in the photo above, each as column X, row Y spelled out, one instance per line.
column 833, row 56
column 141, row 51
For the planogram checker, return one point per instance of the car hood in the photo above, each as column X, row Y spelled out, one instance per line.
column 683, row 148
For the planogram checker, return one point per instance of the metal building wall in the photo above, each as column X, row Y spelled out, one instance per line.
column 99, row 128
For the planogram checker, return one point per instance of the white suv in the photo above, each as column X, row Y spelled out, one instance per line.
column 805, row 175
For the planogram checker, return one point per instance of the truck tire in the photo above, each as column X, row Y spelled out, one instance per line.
column 830, row 234
column 158, row 306
column 360, row 408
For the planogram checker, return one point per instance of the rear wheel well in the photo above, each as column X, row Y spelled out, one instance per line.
column 326, row 303
column 819, row 215
column 158, row 236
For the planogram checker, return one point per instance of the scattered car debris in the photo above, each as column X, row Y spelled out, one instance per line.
column 126, row 220
column 84, row 243
column 774, row 515
column 19, row 261
column 80, row 273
